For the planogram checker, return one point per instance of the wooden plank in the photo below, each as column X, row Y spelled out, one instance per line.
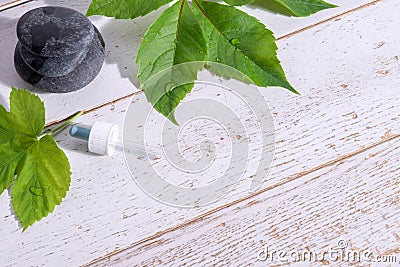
column 105, row 210
column 356, row 201
column 122, row 38
column 6, row 4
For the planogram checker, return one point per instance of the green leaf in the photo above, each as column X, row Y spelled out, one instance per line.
column 238, row 2
column 298, row 8
column 39, row 169
column 174, row 38
column 239, row 40
column 127, row 9
column 207, row 32
column 43, row 179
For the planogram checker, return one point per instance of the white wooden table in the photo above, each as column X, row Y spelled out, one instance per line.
column 335, row 174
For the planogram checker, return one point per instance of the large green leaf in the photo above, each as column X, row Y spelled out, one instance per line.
column 126, row 9
column 239, row 40
column 298, row 8
column 43, row 179
column 39, row 169
column 226, row 35
column 174, row 38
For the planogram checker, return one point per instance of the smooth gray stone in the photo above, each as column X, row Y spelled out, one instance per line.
column 81, row 76
column 52, row 66
column 54, row 31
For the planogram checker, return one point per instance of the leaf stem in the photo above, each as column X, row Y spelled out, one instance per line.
column 64, row 125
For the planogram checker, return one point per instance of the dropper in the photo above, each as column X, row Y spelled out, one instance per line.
column 103, row 139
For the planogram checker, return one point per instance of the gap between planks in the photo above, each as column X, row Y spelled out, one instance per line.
column 278, row 39
column 328, row 19
column 12, row 4
column 245, row 198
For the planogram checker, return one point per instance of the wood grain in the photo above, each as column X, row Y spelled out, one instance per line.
column 346, row 71
column 356, row 200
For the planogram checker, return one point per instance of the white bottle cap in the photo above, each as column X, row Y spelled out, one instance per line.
column 103, row 137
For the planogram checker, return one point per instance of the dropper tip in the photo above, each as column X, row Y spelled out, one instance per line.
column 79, row 132
column 73, row 130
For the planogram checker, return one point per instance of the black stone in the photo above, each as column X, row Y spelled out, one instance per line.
column 81, row 76
column 54, row 31
column 52, row 66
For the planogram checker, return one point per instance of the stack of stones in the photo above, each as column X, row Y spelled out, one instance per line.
column 59, row 49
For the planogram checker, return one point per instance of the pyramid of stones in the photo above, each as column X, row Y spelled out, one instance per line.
column 58, row 50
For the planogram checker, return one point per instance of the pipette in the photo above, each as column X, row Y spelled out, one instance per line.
column 103, row 139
